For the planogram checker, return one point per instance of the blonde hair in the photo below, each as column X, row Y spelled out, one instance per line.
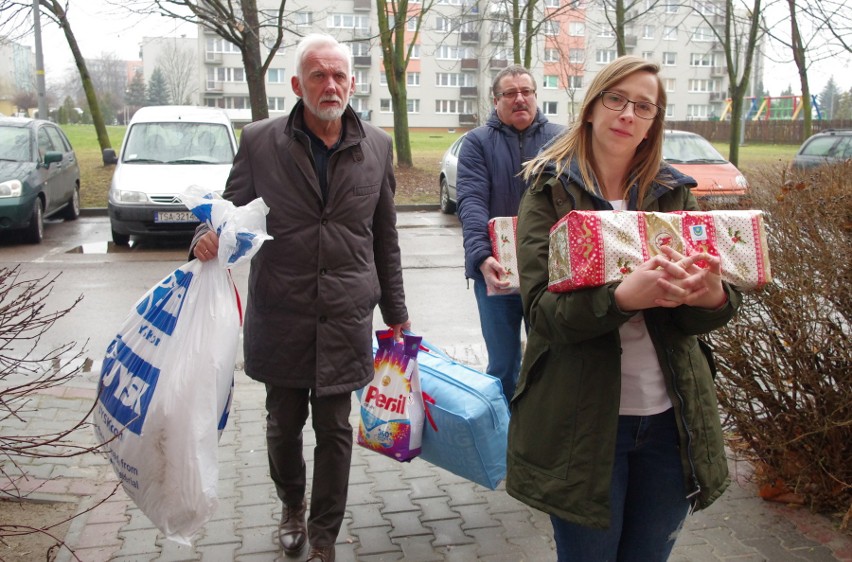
column 576, row 141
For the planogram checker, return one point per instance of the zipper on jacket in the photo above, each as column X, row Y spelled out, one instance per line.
column 692, row 496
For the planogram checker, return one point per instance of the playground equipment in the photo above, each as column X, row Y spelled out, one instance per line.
column 774, row 108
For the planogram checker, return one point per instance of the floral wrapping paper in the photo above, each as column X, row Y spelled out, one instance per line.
column 592, row 248
column 501, row 230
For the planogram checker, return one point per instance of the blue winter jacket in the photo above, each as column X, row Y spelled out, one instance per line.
column 488, row 184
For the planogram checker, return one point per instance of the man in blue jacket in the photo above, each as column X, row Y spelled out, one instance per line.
column 489, row 186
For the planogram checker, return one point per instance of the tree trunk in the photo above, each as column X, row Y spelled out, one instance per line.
column 252, row 62
column 799, row 58
column 85, row 78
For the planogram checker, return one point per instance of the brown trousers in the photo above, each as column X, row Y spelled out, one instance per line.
column 286, row 414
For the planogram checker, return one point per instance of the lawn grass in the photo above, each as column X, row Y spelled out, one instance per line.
column 427, row 148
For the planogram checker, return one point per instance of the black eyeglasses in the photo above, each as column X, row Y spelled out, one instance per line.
column 617, row 102
column 512, row 94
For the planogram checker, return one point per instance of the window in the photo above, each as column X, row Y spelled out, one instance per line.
column 551, row 55
column 575, row 82
column 551, row 3
column 669, row 59
column 455, row 79
column 444, row 25
column 413, row 105
column 360, row 49
column 385, row 105
column 670, row 111
column 703, row 34
column 576, row 29
column 415, row 52
column 669, row 33
column 700, row 59
column 671, row 6
column 348, row 21
column 275, row 104
column 576, row 56
column 694, row 112
column 606, row 31
column 453, row 106
column 411, row 24
column 648, row 55
column 551, row 27
column 550, row 81
column 648, row 31
column 604, row 56
column 412, row 79
column 383, row 78
column 358, row 104
column 548, row 107
column 669, row 84
column 702, row 86
column 303, row 19
column 450, row 52
column 275, row 76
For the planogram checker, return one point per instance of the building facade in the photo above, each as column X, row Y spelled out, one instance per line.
column 17, row 74
column 462, row 44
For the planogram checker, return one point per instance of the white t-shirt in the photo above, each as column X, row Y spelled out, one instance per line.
column 643, row 387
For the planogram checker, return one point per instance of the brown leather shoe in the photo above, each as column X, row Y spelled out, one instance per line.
column 321, row 554
column 293, row 531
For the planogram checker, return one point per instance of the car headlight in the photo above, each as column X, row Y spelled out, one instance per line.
column 741, row 181
column 11, row 188
column 122, row 196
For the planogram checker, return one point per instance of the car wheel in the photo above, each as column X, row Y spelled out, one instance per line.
column 447, row 206
column 120, row 239
column 34, row 233
column 72, row 211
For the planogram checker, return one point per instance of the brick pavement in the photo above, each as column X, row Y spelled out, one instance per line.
column 413, row 511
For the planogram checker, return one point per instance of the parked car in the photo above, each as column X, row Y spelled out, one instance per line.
column 39, row 176
column 447, row 177
column 719, row 181
column 165, row 150
column 825, row 147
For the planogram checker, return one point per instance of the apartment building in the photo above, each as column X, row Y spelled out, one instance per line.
column 461, row 46
column 17, row 74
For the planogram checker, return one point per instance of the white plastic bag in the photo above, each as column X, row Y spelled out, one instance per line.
column 167, row 377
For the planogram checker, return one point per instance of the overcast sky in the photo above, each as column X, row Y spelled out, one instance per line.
column 101, row 29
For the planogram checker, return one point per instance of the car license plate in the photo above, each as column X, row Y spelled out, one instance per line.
column 174, row 216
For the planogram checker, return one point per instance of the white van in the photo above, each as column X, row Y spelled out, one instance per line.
column 165, row 149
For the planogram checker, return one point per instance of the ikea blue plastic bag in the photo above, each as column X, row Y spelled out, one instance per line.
column 467, row 418
column 167, row 377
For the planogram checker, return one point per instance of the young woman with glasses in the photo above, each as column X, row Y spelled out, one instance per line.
column 614, row 430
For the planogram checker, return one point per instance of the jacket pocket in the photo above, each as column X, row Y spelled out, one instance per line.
column 543, row 420
column 363, row 190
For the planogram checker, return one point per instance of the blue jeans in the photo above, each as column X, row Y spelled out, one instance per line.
column 647, row 498
column 501, row 317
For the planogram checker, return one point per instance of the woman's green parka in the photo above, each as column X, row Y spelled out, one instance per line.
column 565, row 410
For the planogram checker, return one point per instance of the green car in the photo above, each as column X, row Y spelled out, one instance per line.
column 39, row 176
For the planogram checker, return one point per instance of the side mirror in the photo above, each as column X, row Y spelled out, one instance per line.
column 109, row 156
column 51, row 157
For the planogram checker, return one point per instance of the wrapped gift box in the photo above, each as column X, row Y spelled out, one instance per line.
column 592, row 248
column 504, row 248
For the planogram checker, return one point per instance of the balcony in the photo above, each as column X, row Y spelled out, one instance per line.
column 468, row 119
column 362, row 89
column 499, row 36
column 362, row 61
column 719, row 71
column 468, row 92
column 361, row 32
column 630, row 40
column 212, row 58
column 497, row 63
column 362, row 5
column 470, row 64
column 213, row 87
column 470, row 37
column 717, row 96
